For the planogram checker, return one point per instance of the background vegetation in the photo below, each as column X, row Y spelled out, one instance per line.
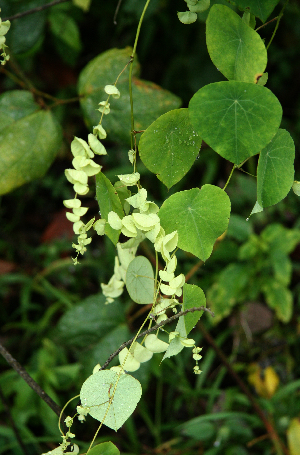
column 51, row 319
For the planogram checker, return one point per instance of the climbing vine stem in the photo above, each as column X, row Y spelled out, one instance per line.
column 131, row 68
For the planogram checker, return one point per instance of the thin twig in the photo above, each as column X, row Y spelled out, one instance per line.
column 116, row 12
column 14, row 428
column 153, row 329
column 277, row 24
column 278, row 444
column 30, row 381
column 266, row 23
column 34, row 10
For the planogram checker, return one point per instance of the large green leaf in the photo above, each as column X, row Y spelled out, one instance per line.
column 14, row 105
column 140, row 280
column 28, row 147
column 89, row 322
column 66, row 35
column 192, row 296
column 150, row 100
column 108, row 201
column 26, row 33
column 280, row 299
column 275, row 171
column 237, row 119
column 260, row 8
column 98, row 389
column 169, row 146
column 235, row 48
column 199, row 216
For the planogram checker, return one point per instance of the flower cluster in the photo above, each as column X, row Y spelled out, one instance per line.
column 130, row 360
column 4, row 27
column 84, row 167
column 143, row 223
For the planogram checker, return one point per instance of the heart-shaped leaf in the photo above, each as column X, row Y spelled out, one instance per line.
column 140, row 280
column 150, row 100
column 28, row 147
column 199, row 216
column 97, row 391
column 169, row 146
column 236, row 119
column 234, row 47
column 275, row 171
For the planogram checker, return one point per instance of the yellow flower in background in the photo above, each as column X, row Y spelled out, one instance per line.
column 264, row 380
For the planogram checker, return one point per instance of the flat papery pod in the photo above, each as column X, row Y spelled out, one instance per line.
column 128, row 361
column 96, row 145
column 152, row 343
column 145, row 222
column 187, row 17
column 153, row 233
column 129, row 228
column 79, row 147
column 165, row 276
column 111, row 398
column 129, row 179
column 114, row 220
column 140, row 353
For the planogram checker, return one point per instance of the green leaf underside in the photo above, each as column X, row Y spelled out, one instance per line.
column 175, row 346
column 105, row 448
column 192, row 296
column 260, row 8
column 97, row 390
column 235, row 48
column 169, row 146
column 14, row 105
column 28, row 147
column 275, row 171
column 280, row 299
column 199, row 216
column 236, row 119
column 108, row 201
column 151, row 101
column 140, row 280
column 89, row 322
